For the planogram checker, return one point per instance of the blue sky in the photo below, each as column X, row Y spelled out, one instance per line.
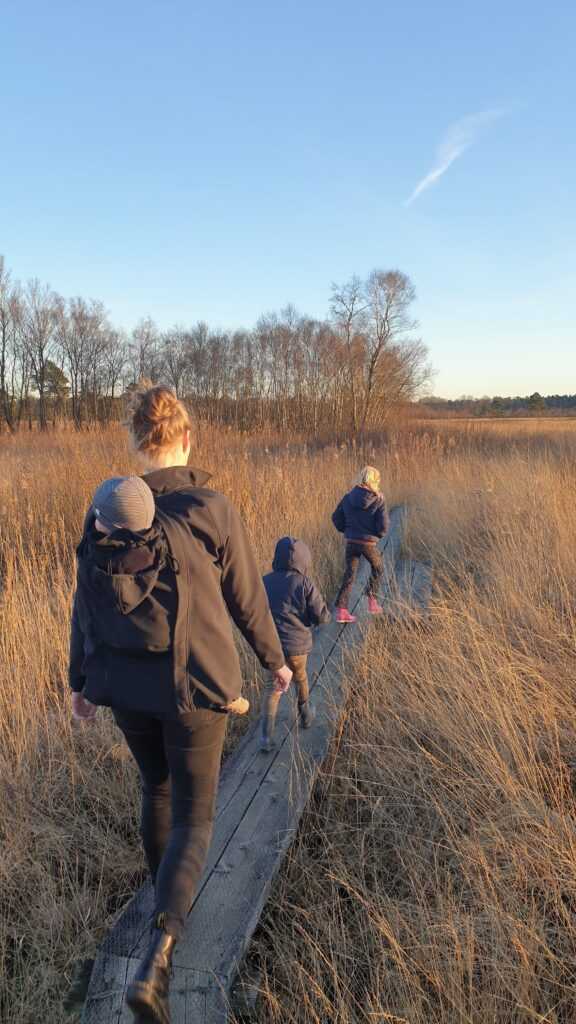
column 215, row 161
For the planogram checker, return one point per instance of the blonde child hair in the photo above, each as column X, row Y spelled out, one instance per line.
column 369, row 477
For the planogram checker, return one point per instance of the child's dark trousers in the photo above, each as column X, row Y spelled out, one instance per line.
column 296, row 662
column 356, row 550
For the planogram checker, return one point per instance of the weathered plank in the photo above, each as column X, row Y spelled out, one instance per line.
column 408, row 591
column 422, row 585
column 260, row 801
column 105, row 999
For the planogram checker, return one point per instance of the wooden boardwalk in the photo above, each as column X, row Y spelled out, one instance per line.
column 260, row 802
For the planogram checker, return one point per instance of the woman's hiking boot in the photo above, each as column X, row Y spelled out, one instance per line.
column 147, row 995
column 343, row 615
column 374, row 607
column 307, row 714
column 267, row 733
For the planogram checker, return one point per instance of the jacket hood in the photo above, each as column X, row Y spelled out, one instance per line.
column 362, row 497
column 174, row 478
column 292, row 554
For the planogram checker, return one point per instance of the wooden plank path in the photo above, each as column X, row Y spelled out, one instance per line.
column 407, row 592
column 260, row 801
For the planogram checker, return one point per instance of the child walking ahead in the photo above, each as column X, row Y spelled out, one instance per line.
column 363, row 519
column 296, row 605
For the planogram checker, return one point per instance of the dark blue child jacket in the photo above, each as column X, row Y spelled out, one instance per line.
column 295, row 601
column 361, row 516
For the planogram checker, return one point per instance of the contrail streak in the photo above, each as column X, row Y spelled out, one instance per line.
column 459, row 137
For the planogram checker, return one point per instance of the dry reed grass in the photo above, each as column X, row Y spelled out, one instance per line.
column 68, row 795
column 434, row 878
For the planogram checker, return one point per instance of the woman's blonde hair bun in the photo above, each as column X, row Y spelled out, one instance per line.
column 157, row 419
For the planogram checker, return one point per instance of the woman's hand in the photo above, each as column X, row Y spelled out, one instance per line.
column 282, row 679
column 82, row 709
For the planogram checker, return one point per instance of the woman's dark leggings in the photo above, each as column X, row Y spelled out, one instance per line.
column 179, row 762
column 355, row 550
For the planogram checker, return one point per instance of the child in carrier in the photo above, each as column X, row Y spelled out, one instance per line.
column 125, row 571
column 296, row 605
column 362, row 517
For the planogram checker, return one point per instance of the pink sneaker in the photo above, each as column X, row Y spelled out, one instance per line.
column 343, row 615
column 373, row 607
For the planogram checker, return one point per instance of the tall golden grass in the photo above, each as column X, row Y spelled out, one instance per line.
column 434, row 878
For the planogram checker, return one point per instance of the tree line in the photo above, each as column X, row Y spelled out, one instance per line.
column 519, row 405
column 63, row 359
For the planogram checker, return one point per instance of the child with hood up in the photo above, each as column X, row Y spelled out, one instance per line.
column 296, row 605
column 362, row 517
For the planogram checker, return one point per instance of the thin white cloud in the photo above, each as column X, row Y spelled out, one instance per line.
column 459, row 137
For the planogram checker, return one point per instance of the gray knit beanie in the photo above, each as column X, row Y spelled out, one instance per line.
column 124, row 503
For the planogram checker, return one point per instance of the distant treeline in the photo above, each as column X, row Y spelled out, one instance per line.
column 520, row 405
column 62, row 359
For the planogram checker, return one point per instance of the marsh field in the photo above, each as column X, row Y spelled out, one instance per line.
column 434, row 878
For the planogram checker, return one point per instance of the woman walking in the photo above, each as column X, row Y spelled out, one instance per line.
column 362, row 517
column 163, row 564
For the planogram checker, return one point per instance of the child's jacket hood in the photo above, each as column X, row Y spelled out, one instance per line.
column 292, row 554
column 363, row 497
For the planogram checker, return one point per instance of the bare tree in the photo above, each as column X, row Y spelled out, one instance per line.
column 10, row 325
column 114, row 359
column 82, row 337
column 348, row 308
column 39, row 326
column 144, row 352
column 384, row 363
column 174, row 358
